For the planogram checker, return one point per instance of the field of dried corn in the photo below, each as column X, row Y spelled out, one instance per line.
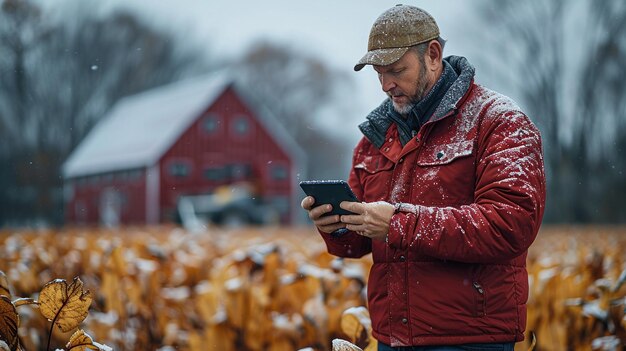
column 161, row 288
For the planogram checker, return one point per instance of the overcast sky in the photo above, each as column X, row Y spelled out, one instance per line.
column 335, row 31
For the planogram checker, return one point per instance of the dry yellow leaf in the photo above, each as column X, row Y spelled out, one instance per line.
column 351, row 327
column 4, row 285
column 343, row 345
column 81, row 341
column 65, row 305
column 355, row 323
column 195, row 340
column 9, row 321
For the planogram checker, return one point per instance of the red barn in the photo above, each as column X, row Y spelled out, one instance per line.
column 189, row 138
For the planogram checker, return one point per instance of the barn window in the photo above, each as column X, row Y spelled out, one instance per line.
column 179, row 170
column 211, row 123
column 216, row 173
column 240, row 125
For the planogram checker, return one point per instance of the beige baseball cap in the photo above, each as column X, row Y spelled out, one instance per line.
column 394, row 32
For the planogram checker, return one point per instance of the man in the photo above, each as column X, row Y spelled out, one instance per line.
column 451, row 179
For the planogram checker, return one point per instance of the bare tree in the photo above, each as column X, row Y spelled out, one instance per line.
column 297, row 87
column 19, row 35
column 603, row 110
column 566, row 59
column 85, row 67
column 57, row 79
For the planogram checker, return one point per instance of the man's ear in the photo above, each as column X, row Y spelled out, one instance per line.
column 434, row 55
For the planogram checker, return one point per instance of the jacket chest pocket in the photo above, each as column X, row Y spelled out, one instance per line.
column 448, row 173
column 375, row 172
column 439, row 155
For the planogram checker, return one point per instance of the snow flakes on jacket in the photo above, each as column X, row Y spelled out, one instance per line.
column 453, row 270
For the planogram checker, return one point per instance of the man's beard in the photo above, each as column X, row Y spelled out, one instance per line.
column 420, row 90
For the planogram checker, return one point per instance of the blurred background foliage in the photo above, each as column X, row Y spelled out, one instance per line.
column 59, row 77
column 566, row 60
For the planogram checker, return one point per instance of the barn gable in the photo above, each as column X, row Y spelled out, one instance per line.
column 140, row 128
column 146, row 132
column 275, row 128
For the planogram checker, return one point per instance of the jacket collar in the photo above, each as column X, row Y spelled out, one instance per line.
column 379, row 120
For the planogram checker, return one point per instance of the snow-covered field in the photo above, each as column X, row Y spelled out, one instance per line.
column 160, row 288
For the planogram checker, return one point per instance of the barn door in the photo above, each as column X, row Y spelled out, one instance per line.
column 110, row 207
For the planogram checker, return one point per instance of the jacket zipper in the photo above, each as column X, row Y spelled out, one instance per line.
column 481, row 303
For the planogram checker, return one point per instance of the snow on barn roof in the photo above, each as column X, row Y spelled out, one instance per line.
column 141, row 128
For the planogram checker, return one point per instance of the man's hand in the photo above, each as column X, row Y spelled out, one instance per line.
column 326, row 224
column 371, row 219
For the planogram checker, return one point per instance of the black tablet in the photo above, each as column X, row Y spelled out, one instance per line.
column 329, row 192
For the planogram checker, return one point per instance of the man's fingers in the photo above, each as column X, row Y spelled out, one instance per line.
column 327, row 224
column 352, row 219
column 315, row 212
column 326, row 220
column 355, row 207
column 307, row 203
column 319, row 211
column 351, row 206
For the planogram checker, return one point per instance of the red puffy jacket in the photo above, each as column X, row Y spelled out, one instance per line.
column 453, row 270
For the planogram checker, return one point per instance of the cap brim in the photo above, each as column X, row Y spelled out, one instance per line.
column 381, row 57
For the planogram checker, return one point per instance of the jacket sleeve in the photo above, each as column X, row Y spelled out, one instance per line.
column 509, row 197
column 349, row 244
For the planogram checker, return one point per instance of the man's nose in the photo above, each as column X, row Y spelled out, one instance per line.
column 387, row 83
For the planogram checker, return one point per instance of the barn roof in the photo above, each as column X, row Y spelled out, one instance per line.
column 139, row 129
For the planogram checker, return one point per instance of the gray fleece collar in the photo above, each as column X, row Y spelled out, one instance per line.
column 378, row 121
